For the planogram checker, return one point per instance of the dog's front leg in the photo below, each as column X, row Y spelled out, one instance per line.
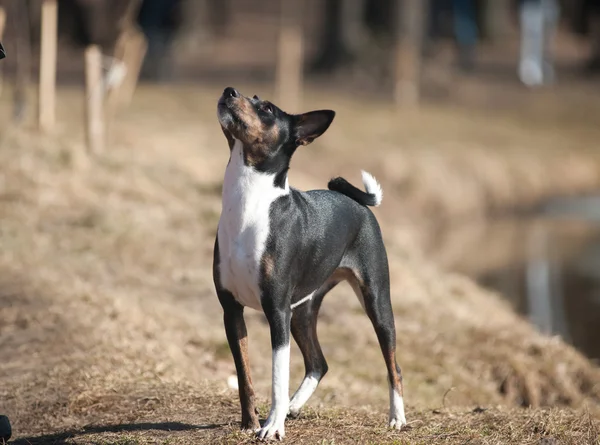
column 279, row 321
column 237, row 337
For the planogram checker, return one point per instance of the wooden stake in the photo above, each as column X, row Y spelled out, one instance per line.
column 2, row 25
column 134, row 52
column 2, row 21
column 94, row 99
column 409, row 42
column 19, row 14
column 290, row 56
column 131, row 50
column 47, row 90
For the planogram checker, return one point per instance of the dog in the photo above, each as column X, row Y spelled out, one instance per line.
column 280, row 250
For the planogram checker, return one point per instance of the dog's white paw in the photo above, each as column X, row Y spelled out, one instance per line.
column 397, row 422
column 272, row 430
column 397, row 417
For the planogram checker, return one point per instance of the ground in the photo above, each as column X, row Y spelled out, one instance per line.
column 111, row 331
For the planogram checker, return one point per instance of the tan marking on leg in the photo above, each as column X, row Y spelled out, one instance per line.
column 268, row 266
column 396, row 378
column 246, row 389
column 354, row 279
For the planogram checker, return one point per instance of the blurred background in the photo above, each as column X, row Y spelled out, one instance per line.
column 481, row 118
column 536, row 42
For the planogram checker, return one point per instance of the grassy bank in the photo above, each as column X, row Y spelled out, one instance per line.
column 109, row 320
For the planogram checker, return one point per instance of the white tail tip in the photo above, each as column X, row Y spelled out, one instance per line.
column 372, row 187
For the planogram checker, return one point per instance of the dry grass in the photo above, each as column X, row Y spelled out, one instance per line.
column 151, row 414
column 109, row 315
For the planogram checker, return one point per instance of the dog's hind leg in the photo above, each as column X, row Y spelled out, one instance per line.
column 304, row 331
column 371, row 282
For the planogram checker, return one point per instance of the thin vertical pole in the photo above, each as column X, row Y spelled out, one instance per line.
column 290, row 55
column 47, row 89
column 410, row 24
column 94, row 99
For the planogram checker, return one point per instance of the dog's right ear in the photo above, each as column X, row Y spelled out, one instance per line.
column 311, row 125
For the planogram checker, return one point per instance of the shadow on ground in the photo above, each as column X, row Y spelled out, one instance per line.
column 61, row 438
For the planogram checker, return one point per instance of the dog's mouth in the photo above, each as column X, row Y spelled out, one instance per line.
column 222, row 103
column 227, row 114
column 227, row 108
column 230, row 111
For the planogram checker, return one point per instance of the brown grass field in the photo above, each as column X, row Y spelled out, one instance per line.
column 110, row 331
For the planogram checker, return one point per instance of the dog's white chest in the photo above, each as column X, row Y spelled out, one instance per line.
column 244, row 227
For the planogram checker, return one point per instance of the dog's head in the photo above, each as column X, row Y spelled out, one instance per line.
column 269, row 135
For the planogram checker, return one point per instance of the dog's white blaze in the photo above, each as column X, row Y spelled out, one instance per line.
column 280, row 394
column 306, row 389
column 372, row 186
column 397, row 417
column 244, row 227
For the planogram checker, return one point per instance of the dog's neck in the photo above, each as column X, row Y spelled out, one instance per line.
column 245, row 188
column 245, row 176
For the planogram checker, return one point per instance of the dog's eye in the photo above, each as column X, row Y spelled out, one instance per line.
column 268, row 108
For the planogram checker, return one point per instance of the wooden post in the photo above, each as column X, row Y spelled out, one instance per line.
column 19, row 14
column 130, row 49
column 134, row 47
column 47, row 89
column 94, row 89
column 410, row 23
column 290, row 55
column 2, row 25
column 2, row 21
column 353, row 28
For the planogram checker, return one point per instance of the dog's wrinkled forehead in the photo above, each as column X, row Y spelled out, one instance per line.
column 258, row 124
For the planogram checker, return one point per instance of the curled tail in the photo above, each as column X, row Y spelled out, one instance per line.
column 372, row 197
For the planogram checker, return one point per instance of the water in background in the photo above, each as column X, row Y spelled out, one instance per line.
column 555, row 281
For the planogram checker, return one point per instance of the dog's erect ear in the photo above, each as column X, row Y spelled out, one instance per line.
column 311, row 125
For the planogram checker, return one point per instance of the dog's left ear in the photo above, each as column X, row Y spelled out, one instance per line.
column 311, row 125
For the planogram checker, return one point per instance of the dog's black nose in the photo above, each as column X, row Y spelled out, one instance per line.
column 231, row 92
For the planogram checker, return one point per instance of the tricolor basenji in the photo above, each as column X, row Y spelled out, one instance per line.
column 280, row 250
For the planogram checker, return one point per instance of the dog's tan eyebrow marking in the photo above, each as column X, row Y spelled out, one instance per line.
column 258, row 137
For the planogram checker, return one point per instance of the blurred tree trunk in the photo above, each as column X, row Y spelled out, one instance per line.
column 159, row 20
column 18, row 14
column 380, row 17
column 410, row 33
column 496, row 18
column 195, row 25
column 353, row 26
column 202, row 21
column 343, row 34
